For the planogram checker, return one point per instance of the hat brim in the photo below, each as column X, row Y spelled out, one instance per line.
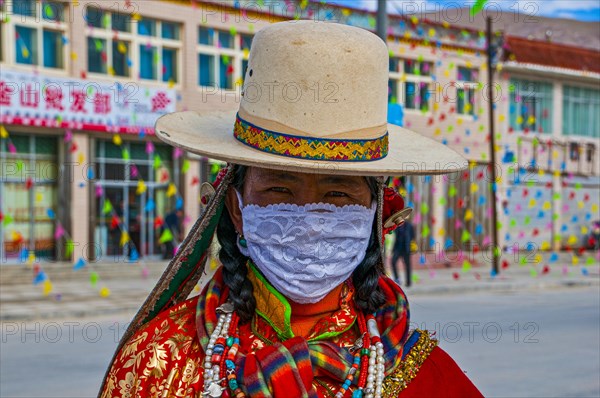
column 211, row 135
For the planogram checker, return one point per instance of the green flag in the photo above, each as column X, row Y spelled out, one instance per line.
column 166, row 236
column 466, row 266
column 69, row 246
column 107, row 207
column 465, row 236
column 93, row 278
column 7, row 219
column 185, row 166
column 477, row 7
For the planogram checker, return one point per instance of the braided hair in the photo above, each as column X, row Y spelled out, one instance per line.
column 368, row 296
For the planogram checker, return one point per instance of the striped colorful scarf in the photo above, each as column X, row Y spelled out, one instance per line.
column 288, row 368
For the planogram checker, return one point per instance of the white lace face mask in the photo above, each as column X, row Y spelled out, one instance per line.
column 306, row 251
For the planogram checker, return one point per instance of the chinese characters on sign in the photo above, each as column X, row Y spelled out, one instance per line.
column 36, row 100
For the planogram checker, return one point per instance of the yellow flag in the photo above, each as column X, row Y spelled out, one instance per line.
column 468, row 214
column 124, row 238
column 104, row 292
column 141, row 187
column 172, row 190
column 47, row 287
column 117, row 140
column 3, row 132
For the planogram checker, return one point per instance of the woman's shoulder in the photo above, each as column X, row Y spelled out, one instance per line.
column 163, row 351
column 427, row 370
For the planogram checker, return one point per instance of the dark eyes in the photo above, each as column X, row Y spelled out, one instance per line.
column 336, row 194
column 279, row 189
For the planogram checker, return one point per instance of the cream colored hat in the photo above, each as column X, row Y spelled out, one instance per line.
column 314, row 99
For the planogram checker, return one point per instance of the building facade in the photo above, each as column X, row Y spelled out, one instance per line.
column 83, row 82
column 549, row 134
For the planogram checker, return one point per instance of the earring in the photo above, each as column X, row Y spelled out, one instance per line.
column 242, row 241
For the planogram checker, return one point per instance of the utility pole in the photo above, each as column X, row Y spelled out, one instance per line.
column 493, row 186
column 382, row 20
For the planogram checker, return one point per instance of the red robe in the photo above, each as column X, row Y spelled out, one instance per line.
column 165, row 357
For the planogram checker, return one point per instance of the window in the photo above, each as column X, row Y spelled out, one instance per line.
column 395, row 64
column 581, row 111
column 96, row 18
column 206, row 73
column 409, row 83
column 120, row 50
column 35, row 157
column 222, row 57
column 392, row 91
column 170, row 31
column 53, row 49
column 465, row 90
column 26, row 42
column 25, row 8
column 147, row 62
column 147, row 48
column 96, row 55
column 245, row 41
column 134, row 210
column 147, row 27
column 206, row 36
column 530, row 105
column 225, row 39
column 417, row 68
column 39, row 33
column 120, row 22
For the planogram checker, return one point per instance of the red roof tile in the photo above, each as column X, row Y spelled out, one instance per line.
column 551, row 54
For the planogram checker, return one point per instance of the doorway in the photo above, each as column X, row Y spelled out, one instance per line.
column 129, row 217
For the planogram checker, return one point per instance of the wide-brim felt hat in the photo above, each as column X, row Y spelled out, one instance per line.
column 314, row 100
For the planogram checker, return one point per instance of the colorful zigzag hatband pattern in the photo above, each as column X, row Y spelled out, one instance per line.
column 308, row 147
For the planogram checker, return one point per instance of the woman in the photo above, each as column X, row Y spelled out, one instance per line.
column 300, row 306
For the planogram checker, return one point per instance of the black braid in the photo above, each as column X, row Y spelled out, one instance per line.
column 368, row 296
column 234, row 262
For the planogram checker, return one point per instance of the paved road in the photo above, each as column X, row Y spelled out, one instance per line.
column 528, row 344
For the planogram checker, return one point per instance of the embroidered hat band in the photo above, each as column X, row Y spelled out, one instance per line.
column 310, row 147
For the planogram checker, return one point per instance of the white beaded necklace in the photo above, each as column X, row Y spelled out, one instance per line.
column 212, row 382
